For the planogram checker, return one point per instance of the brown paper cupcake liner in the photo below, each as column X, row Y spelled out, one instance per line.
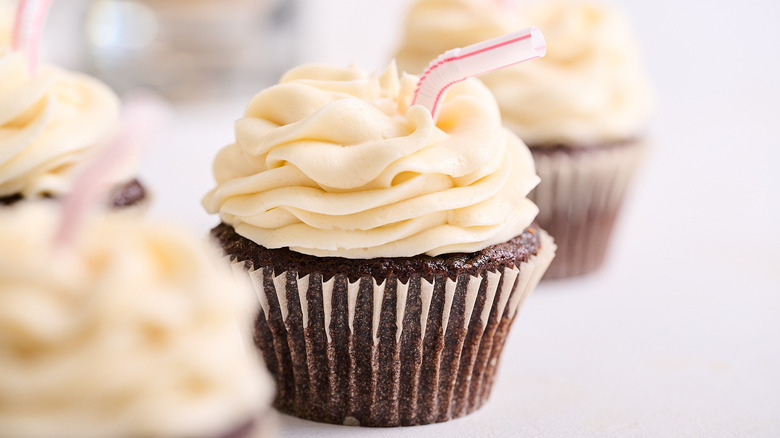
column 388, row 353
column 579, row 200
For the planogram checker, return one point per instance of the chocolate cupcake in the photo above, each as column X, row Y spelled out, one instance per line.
column 51, row 126
column 130, row 330
column 389, row 252
column 582, row 109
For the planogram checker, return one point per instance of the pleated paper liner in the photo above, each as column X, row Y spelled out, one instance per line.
column 579, row 200
column 388, row 353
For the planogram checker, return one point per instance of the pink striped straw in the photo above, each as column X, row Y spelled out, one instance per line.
column 140, row 119
column 35, row 35
column 22, row 8
column 457, row 65
column 28, row 27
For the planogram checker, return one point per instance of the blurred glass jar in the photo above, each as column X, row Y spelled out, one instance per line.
column 190, row 49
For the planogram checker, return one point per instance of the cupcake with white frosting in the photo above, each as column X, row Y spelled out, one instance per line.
column 582, row 109
column 130, row 330
column 51, row 125
column 390, row 251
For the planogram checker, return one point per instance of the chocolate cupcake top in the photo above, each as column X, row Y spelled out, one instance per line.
column 335, row 162
column 589, row 89
column 131, row 331
column 51, row 124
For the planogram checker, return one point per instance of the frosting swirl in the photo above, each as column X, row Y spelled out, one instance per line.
column 334, row 162
column 132, row 334
column 588, row 89
column 50, row 125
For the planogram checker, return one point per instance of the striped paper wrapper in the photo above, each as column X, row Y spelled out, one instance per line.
column 579, row 200
column 387, row 353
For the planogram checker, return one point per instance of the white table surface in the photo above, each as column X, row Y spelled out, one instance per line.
column 679, row 334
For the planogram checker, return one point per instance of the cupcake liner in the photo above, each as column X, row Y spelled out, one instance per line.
column 387, row 353
column 579, row 199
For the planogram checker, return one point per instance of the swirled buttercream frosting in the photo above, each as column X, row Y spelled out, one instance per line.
column 335, row 162
column 51, row 124
column 588, row 89
column 131, row 332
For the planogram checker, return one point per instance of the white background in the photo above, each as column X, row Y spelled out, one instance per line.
column 679, row 335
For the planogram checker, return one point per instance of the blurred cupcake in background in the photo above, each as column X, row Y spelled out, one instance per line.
column 52, row 123
column 583, row 109
column 129, row 329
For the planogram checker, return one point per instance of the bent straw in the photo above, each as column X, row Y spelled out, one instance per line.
column 22, row 9
column 457, row 65
column 33, row 48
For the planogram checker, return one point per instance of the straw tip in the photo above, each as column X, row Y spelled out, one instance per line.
column 538, row 45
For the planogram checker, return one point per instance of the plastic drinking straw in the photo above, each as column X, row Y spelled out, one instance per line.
column 457, row 65
column 35, row 35
column 28, row 27
column 22, row 9
column 140, row 119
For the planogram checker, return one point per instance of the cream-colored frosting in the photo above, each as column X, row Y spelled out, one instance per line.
column 334, row 162
column 132, row 331
column 50, row 126
column 6, row 22
column 589, row 88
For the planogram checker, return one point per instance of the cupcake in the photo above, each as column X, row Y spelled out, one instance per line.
column 582, row 109
column 51, row 126
column 130, row 331
column 389, row 252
